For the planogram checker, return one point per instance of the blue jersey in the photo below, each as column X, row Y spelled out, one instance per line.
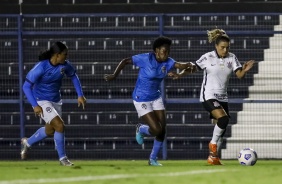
column 150, row 76
column 47, row 79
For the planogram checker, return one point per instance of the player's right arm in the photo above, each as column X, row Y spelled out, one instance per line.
column 121, row 65
column 27, row 88
column 33, row 75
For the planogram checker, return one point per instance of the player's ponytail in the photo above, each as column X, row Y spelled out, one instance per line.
column 217, row 35
column 44, row 55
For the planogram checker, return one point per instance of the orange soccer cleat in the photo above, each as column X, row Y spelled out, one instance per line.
column 213, row 158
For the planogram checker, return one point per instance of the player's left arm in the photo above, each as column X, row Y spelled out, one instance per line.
column 77, row 85
column 245, row 68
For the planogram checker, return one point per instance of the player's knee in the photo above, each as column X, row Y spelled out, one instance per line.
column 223, row 122
column 155, row 131
column 58, row 125
column 50, row 132
column 60, row 128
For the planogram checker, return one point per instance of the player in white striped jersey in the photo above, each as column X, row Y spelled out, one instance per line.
column 218, row 65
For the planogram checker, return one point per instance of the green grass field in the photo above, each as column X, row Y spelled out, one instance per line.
column 135, row 172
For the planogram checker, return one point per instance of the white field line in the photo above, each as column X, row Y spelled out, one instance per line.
column 108, row 177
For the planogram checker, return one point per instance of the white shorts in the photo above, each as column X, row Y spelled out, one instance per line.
column 143, row 108
column 50, row 110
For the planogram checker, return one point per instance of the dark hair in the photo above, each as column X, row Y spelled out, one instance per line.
column 222, row 38
column 162, row 40
column 56, row 48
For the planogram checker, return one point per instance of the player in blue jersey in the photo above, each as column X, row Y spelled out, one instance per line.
column 218, row 66
column 147, row 99
column 42, row 89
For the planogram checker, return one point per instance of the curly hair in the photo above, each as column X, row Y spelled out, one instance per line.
column 217, row 35
column 162, row 40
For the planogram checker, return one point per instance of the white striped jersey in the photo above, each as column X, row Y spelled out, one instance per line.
column 217, row 72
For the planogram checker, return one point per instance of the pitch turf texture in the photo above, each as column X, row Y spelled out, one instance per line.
column 135, row 172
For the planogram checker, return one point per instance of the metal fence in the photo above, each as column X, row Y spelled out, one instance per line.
column 97, row 42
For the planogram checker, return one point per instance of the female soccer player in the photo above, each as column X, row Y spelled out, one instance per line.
column 42, row 89
column 218, row 66
column 147, row 99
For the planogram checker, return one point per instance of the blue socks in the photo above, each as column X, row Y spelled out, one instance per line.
column 156, row 148
column 59, row 139
column 37, row 136
column 144, row 129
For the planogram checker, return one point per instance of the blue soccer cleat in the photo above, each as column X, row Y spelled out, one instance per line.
column 139, row 137
column 154, row 162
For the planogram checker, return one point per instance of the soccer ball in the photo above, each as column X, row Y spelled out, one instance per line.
column 247, row 157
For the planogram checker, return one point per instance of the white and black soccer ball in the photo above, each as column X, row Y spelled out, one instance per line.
column 247, row 157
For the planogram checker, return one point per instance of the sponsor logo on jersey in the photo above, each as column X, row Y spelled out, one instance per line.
column 237, row 62
column 220, row 96
column 201, row 60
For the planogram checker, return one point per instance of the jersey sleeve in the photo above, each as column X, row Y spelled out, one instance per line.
column 139, row 59
column 236, row 65
column 69, row 69
column 35, row 73
column 201, row 63
column 170, row 64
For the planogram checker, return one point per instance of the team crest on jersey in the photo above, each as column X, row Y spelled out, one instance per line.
column 229, row 64
column 144, row 106
column 216, row 104
column 62, row 71
column 164, row 69
column 49, row 109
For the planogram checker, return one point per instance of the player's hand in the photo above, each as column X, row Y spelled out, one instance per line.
column 190, row 65
column 174, row 75
column 248, row 65
column 38, row 111
column 109, row 77
column 81, row 101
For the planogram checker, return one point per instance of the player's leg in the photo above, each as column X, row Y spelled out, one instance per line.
column 142, row 109
column 214, row 121
column 40, row 134
column 158, row 141
column 59, row 139
column 217, row 111
column 59, row 136
column 155, row 129
column 160, row 130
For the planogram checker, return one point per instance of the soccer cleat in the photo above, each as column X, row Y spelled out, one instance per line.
column 214, row 160
column 154, row 162
column 139, row 137
column 24, row 148
column 65, row 162
column 213, row 149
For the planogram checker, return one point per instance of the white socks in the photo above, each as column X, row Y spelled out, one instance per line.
column 217, row 132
